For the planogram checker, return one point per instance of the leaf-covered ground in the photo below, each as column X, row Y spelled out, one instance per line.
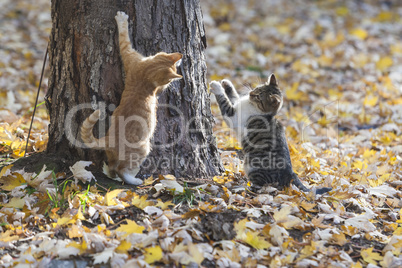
column 340, row 66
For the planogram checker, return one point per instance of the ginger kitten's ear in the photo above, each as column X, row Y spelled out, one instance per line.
column 175, row 57
column 272, row 80
column 174, row 76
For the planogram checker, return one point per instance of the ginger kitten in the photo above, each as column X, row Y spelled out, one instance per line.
column 127, row 142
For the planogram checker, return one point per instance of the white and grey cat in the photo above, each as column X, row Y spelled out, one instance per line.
column 267, row 159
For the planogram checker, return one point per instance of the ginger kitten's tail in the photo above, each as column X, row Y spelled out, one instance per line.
column 87, row 135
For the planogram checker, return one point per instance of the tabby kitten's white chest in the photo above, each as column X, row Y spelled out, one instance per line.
column 243, row 110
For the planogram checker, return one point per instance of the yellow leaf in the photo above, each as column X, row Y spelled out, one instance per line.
column 8, row 236
column 357, row 265
column 82, row 246
column 359, row 165
column 283, row 29
column 341, row 195
column 398, row 230
column 371, row 257
column 79, row 215
column 302, row 68
column 110, row 196
column 342, row 11
column 396, row 48
column 11, row 181
column 255, row 241
column 283, row 218
column 164, row 205
column 308, row 206
column 75, row 232
column 131, row 228
column 195, row 253
column 359, row 33
column 123, row 247
column 15, row 202
column 315, row 163
column 369, row 154
column 149, row 181
column 384, row 63
column 240, row 226
column 360, row 59
column 339, row 239
column 141, row 202
column 370, row 100
column 65, row 221
column 384, row 16
column 225, row 27
column 294, row 94
column 4, row 170
column 219, row 179
column 153, row 254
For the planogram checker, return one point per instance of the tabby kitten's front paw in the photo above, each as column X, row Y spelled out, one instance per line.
column 121, row 17
column 227, row 84
column 216, row 88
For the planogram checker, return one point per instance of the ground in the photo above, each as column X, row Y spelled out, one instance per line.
column 339, row 64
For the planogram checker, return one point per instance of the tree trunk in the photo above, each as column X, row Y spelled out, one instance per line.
column 86, row 74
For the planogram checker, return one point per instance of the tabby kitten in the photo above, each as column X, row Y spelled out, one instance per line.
column 267, row 158
column 127, row 142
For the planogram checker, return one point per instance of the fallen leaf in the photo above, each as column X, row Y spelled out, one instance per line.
column 153, row 254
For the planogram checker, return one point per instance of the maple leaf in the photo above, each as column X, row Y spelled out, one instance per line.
column 339, row 239
column 195, row 253
column 295, row 94
column 131, row 228
column 15, row 202
column 5, row 171
column 254, row 240
column 75, row 231
column 164, row 205
column 41, row 181
column 65, row 221
column 110, row 197
column 10, row 182
column 104, row 256
column 283, row 218
column 141, row 202
column 371, row 257
column 8, row 236
column 80, row 173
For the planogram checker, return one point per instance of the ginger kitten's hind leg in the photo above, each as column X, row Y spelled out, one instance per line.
column 128, row 176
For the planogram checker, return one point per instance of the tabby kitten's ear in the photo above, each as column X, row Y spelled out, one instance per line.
column 272, row 80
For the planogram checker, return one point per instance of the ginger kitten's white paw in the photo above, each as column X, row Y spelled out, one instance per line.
column 130, row 179
column 216, row 88
column 121, row 17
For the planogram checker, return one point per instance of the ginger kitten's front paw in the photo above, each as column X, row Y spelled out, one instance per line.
column 121, row 17
column 216, row 88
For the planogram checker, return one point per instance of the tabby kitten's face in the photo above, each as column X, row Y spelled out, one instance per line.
column 267, row 97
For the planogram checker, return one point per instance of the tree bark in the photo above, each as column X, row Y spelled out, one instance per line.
column 86, row 73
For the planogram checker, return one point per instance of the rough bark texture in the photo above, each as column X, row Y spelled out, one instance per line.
column 86, row 68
